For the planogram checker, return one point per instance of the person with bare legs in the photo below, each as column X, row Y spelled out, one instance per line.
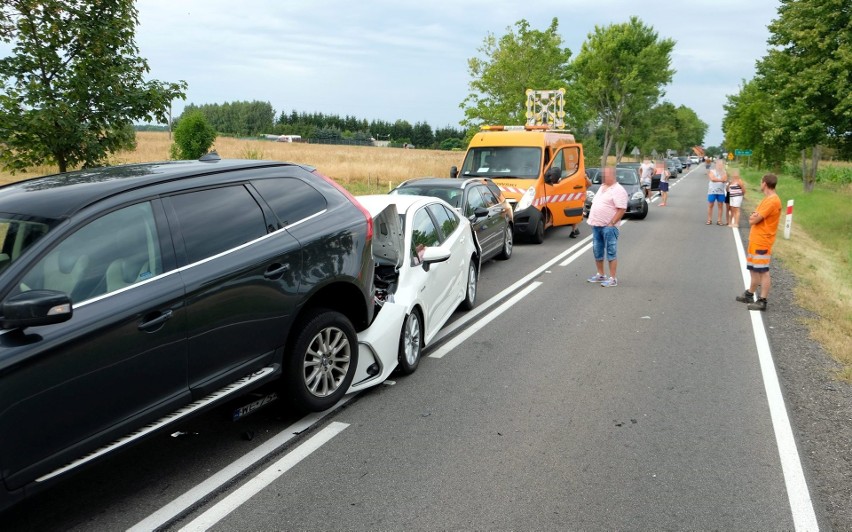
column 736, row 192
column 761, row 237
column 716, row 192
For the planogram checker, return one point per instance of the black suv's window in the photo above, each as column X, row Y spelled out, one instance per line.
column 291, row 199
column 114, row 251
column 16, row 235
column 447, row 219
column 216, row 220
column 487, row 196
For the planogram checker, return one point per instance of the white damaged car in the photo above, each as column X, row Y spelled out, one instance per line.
column 427, row 265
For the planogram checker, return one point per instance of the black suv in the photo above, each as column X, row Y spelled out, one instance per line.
column 134, row 296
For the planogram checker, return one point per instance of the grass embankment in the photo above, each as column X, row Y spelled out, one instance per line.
column 819, row 254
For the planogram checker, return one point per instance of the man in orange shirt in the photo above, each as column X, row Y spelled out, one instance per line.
column 761, row 237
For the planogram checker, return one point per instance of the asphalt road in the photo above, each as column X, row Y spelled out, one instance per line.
column 555, row 404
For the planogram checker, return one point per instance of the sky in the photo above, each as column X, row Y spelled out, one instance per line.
column 377, row 59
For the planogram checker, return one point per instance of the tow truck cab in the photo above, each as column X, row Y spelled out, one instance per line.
column 540, row 171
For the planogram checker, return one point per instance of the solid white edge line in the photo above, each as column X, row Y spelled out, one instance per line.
column 191, row 497
column 457, row 340
column 266, row 477
column 801, row 506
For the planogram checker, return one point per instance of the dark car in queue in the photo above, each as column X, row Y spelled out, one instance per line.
column 655, row 179
column 480, row 201
column 628, row 178
column 673, row 167
column 133, row 297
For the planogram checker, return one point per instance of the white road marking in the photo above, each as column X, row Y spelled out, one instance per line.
column 801, row 506
column 265, row 478
column 573, row 257
column 169, row 512
column 470, row 331
column 469, row 316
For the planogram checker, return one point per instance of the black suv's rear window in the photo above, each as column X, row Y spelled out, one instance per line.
column 291, row 199
column 216, row 220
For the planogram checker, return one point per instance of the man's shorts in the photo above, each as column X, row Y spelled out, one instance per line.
column 715, row 197
column 604, row 239
column 664, row 187
column 757, row 260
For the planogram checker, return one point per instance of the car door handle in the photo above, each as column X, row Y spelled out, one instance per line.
column 578, row 187
column 276, row 270
column 155, row 323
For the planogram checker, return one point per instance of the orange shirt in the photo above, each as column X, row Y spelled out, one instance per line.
column 762, row 234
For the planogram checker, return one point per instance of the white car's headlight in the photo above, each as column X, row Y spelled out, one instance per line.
column 639, row 194
column 527, row 200
column 590, row 195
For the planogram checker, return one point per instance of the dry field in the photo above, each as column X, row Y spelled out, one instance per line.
column 359, row 168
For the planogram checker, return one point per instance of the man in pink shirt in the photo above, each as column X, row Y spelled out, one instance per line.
column 604, row 216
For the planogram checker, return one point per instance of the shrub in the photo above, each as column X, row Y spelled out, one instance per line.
column 193, row 136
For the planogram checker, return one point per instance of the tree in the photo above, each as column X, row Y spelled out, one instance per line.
column 74, row 82
column 422, row 136
column 807, row 73
column 193, row 136
column 528, row 59
column 690, row 129
column 748, row 115
column 621, row 69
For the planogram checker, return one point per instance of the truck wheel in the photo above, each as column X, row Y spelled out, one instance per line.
column 538, row 236
column 321, row 364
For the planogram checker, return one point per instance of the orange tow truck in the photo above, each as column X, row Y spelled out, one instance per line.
column 538, row 166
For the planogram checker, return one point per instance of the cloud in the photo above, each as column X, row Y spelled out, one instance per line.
column 389, row 60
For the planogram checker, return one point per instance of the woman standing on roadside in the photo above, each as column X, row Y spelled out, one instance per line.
column 736, row 192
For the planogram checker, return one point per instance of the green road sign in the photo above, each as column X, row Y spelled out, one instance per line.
column 747, row 153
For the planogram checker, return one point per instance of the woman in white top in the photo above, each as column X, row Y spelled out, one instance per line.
column 736, row 193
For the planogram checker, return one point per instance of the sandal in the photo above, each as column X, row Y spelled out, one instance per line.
column 719, row 223
column 709, row 222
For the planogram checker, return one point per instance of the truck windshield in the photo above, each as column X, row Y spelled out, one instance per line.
column 503, row 162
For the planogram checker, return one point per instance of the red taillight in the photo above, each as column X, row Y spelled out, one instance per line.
column 355, row 202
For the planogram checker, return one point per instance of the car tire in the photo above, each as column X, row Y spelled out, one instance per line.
column 538, row 236
column 322, row 361
column 508, row 242
column 470, row 289
column 410, row 343
column 643, row 212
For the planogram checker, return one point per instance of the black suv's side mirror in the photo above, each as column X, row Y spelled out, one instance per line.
column 35, row 308
column 553, row 175
column 454, row 171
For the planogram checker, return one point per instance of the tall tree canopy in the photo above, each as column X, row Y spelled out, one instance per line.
column 621, row 69
column 807, row 73
column 520, row 60
column 74, row 83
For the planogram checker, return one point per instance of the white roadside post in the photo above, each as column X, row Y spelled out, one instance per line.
column 789, row 221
